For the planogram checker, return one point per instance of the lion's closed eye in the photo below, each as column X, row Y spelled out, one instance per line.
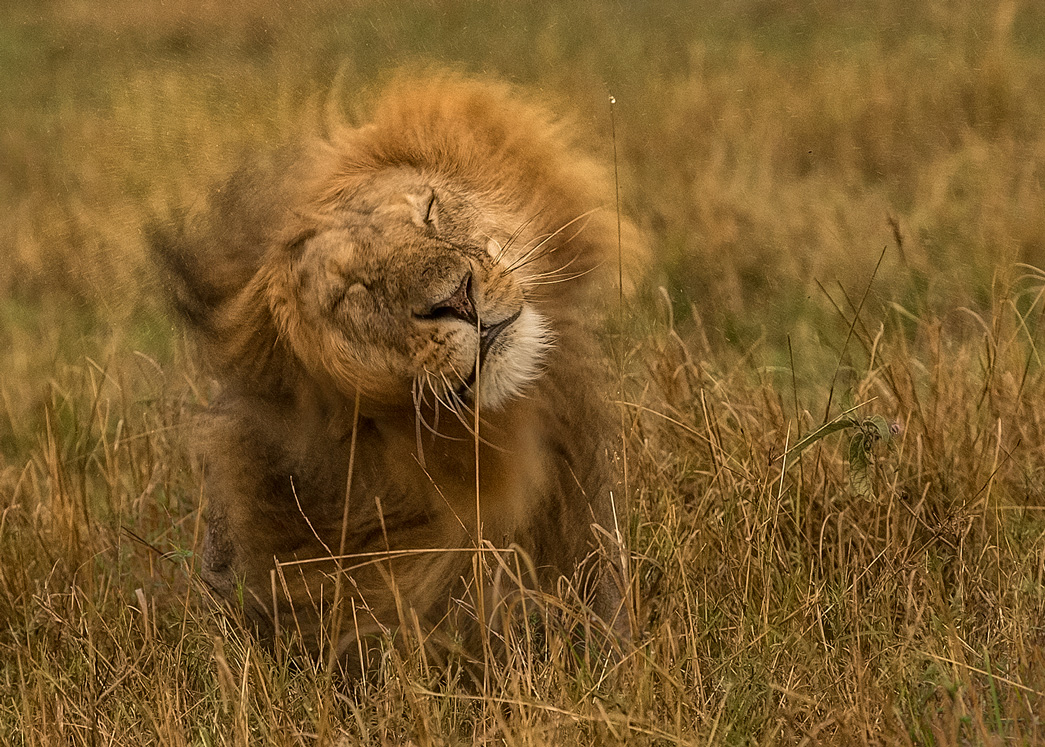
column 425, row 209
column 432, row 212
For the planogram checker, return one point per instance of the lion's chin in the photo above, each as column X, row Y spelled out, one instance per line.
column 514, row 362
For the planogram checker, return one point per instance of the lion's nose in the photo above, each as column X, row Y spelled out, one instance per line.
column 458, row 305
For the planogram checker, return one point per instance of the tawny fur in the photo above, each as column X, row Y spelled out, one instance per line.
column 358, row 299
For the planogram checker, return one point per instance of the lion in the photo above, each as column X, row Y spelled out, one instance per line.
column 413, row 416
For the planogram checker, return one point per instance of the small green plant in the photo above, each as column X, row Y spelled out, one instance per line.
column 867, row 436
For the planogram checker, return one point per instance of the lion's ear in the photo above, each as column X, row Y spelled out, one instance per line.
column 219, row 291
column 208, row 257
column 183, row 273
column 204, row 262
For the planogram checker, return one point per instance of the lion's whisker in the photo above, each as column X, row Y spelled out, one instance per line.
column 551, row 279
column 528, row 254
column 553, row 273
column 515, row 235
column 526, row 258
column 434, row 427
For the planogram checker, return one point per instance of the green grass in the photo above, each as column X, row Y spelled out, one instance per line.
column 771, row 151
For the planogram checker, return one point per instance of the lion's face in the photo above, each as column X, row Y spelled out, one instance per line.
column 398, row 294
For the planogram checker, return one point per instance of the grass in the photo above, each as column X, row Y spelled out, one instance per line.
column 850, row 591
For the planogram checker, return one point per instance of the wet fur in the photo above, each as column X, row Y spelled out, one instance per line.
column 326, row 288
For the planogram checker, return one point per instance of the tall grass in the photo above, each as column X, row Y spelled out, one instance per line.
column 847, row 591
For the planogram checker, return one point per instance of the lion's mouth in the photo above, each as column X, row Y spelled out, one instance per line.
column 487, row 337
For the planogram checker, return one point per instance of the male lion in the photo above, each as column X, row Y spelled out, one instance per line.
column 398, row 316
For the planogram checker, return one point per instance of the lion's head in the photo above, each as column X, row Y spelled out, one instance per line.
column 398, row 292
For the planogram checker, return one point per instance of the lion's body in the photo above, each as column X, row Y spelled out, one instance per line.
column 358, row 301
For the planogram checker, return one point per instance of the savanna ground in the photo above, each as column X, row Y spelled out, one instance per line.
column 847, row 205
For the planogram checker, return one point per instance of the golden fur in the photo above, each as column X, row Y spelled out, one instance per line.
column 359, row 299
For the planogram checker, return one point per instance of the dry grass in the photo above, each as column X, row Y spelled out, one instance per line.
column 836, row 594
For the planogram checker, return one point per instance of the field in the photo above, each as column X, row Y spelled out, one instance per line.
column 832, row 392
